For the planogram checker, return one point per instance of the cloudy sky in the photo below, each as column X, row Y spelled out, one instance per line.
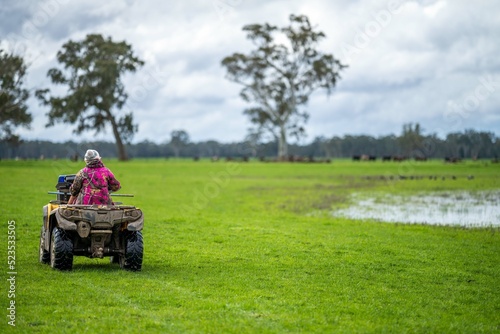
column 435, row 62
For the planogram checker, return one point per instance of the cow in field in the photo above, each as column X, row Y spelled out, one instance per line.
column 452, row 160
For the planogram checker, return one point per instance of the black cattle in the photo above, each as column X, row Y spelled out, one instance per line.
column 452, row 160
column 398, row 158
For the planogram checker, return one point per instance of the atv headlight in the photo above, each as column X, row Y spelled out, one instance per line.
column 132, row 213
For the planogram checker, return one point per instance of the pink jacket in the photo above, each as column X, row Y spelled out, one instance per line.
column 93, row 183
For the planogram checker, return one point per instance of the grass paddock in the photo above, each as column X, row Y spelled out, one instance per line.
column 233, row 247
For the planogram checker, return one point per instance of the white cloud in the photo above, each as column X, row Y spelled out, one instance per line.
column 433, row 9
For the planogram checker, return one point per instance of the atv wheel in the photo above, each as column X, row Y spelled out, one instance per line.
column 133, row 256
column 44, row 255
column 61, row 250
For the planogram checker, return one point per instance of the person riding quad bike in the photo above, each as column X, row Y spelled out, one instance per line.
column 93, row 183
column 84, row 221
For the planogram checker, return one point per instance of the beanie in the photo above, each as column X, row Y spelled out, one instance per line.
column 91, row 155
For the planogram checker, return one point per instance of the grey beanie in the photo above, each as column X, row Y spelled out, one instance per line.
column 91, row 155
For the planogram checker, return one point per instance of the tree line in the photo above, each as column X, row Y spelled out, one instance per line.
column 469, row 144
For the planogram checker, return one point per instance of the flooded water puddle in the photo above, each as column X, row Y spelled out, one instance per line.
column 467, row 209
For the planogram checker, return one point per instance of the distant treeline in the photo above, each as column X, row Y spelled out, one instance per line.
column 469, row 144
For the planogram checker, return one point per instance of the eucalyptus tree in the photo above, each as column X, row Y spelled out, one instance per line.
column 278, row 78
column 92, row 71
column 13, row 96
column 179, row 139
column 412, row 140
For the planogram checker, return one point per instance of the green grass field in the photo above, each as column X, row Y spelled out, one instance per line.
column 252, row 248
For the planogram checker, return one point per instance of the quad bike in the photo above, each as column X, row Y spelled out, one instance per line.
column 94, row 231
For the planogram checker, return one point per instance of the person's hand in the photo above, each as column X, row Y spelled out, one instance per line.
column 72, row 199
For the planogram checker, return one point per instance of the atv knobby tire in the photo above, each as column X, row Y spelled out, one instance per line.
column 133, row 256
column 44, row 255
column 61, row 250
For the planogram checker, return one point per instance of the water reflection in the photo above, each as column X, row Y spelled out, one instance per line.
column 467, row 209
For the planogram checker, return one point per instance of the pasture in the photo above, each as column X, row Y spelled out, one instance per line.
column 233, row 247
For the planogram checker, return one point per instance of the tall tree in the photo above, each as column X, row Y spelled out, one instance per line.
column 411, row 140
column 279, row 78
column 179, row 139
column 13, row 108
column 92, row 71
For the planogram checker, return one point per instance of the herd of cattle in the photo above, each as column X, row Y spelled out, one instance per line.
column 414, row 177
column 363, row 157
